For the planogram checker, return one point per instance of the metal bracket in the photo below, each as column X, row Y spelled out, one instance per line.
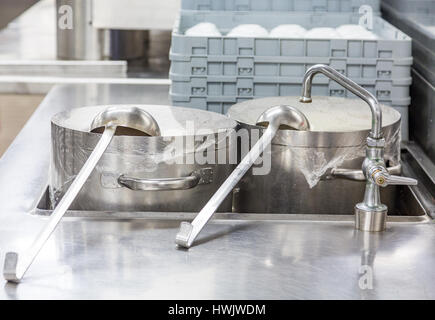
column 110, row 180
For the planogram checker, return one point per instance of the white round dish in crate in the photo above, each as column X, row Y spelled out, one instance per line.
column 248, row 30
column 203, row 29
column 323, row 33
column 349, row 31
column 288, row 31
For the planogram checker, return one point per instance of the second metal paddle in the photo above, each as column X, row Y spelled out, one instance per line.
column 275, row 117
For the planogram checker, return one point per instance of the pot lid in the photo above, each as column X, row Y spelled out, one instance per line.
column 325, row 114
column 172, row 121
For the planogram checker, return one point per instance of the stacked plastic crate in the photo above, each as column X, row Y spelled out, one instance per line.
column 417, row 18
column 215, row 72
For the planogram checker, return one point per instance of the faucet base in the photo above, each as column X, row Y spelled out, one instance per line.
column 304, row 99
column 370, row 219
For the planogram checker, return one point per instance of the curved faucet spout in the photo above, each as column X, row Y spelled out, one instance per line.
column 371, row 214
column 356, row 89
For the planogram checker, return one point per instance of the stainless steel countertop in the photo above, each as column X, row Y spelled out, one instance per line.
column 91, row 258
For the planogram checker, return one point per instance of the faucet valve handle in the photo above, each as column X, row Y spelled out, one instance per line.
column 382, row 178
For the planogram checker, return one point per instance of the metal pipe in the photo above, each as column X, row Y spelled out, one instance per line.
column 356, row 89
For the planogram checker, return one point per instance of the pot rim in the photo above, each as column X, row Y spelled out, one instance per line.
column 225, row 123
column 319, row 139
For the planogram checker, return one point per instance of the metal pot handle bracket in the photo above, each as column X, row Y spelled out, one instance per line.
column 197, row 177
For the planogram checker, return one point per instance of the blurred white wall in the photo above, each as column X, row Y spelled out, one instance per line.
column 135, row 14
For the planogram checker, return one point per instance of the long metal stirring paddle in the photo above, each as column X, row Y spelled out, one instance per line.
column 275, row 116
column 16, row 265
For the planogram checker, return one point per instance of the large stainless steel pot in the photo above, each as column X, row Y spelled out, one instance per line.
column 314, row 172
column 144, row 173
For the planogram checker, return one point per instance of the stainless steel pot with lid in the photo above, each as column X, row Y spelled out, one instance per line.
column 176, row 171
column 315, row 171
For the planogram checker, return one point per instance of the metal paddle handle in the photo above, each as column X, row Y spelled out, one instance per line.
column 189, row 231
column 16, row 265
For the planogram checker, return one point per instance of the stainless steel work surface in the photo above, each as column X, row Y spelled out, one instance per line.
column 107, row 259
column 95, row 258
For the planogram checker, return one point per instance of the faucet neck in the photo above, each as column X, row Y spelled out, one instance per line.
column 350, row 85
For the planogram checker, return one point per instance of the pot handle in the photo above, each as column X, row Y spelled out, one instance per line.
column 359, row 175
column 197, row 177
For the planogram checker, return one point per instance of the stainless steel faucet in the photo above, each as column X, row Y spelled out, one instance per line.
column 371, row 214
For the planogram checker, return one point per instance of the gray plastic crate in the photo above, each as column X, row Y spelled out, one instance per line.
column 215, row 72
column 281, row 5
column 288, row 66
column 394, row 91
column 393, row 44
column 422, row 114
column 222, row 104
column 423, row 38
